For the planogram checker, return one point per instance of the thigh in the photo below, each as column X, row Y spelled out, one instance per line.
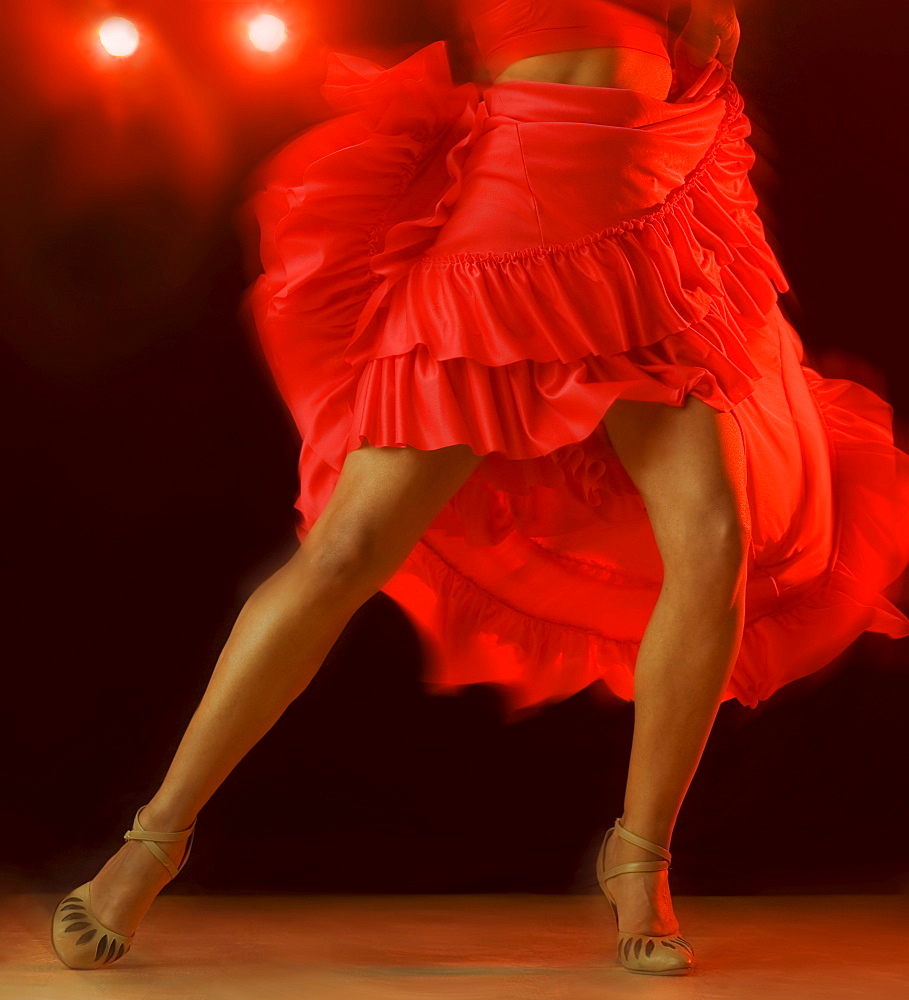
column 386, row 497
column 687, row 462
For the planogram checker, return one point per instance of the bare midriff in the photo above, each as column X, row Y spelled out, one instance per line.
column 630, row 69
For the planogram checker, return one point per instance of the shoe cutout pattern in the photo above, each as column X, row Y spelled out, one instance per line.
column 96, row 945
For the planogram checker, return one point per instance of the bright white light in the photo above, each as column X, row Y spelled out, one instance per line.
column 267, row 32
column 119, row 36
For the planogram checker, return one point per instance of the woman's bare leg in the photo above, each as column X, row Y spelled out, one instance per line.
column 384, row 500
column 688, row 465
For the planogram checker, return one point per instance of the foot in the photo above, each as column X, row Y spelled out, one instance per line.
column 642, row 898
column 127, row 885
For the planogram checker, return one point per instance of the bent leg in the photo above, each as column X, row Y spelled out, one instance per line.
column 688, row 464
column 384, row 499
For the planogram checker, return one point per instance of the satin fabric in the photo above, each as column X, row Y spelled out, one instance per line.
column 444, row 266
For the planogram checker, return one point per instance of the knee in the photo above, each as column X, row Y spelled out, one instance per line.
column 711, row 543
column 352, row 564
column 729, row 537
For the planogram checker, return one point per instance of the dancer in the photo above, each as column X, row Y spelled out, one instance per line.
column 548, row 402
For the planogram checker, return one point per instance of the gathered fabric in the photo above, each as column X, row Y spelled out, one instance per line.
column 449, row 265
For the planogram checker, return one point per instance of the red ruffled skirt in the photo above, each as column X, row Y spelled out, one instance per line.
column 443, row 267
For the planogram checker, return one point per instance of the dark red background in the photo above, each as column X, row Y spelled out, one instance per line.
column 150, row 473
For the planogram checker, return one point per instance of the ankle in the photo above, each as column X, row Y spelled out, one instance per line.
column 164, row 818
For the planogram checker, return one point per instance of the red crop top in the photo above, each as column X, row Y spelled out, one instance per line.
column 509, row 30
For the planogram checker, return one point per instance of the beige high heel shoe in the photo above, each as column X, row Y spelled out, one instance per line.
column 662, row 955
column 98, row 945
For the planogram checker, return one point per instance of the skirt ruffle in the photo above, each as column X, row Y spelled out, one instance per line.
column 442, row 266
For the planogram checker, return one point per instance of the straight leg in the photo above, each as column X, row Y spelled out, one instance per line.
column 688, row 464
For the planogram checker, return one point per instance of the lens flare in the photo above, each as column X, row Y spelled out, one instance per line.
column 267, row 32
column 119, row 36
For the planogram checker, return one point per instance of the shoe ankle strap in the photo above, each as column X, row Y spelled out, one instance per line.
column 138, row 832
column 648, row 845
column 149, row 837
column 634, row 866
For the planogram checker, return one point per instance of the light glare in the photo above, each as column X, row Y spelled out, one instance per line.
column 267, row 32
column 119, row 36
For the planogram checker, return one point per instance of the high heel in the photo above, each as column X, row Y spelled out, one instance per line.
column 98, row 945
column 656, row 955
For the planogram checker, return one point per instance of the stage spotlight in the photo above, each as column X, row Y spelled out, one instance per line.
column 267, row 32
column 119, row 36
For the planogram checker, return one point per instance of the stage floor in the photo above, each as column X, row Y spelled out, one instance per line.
column 476, row 947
